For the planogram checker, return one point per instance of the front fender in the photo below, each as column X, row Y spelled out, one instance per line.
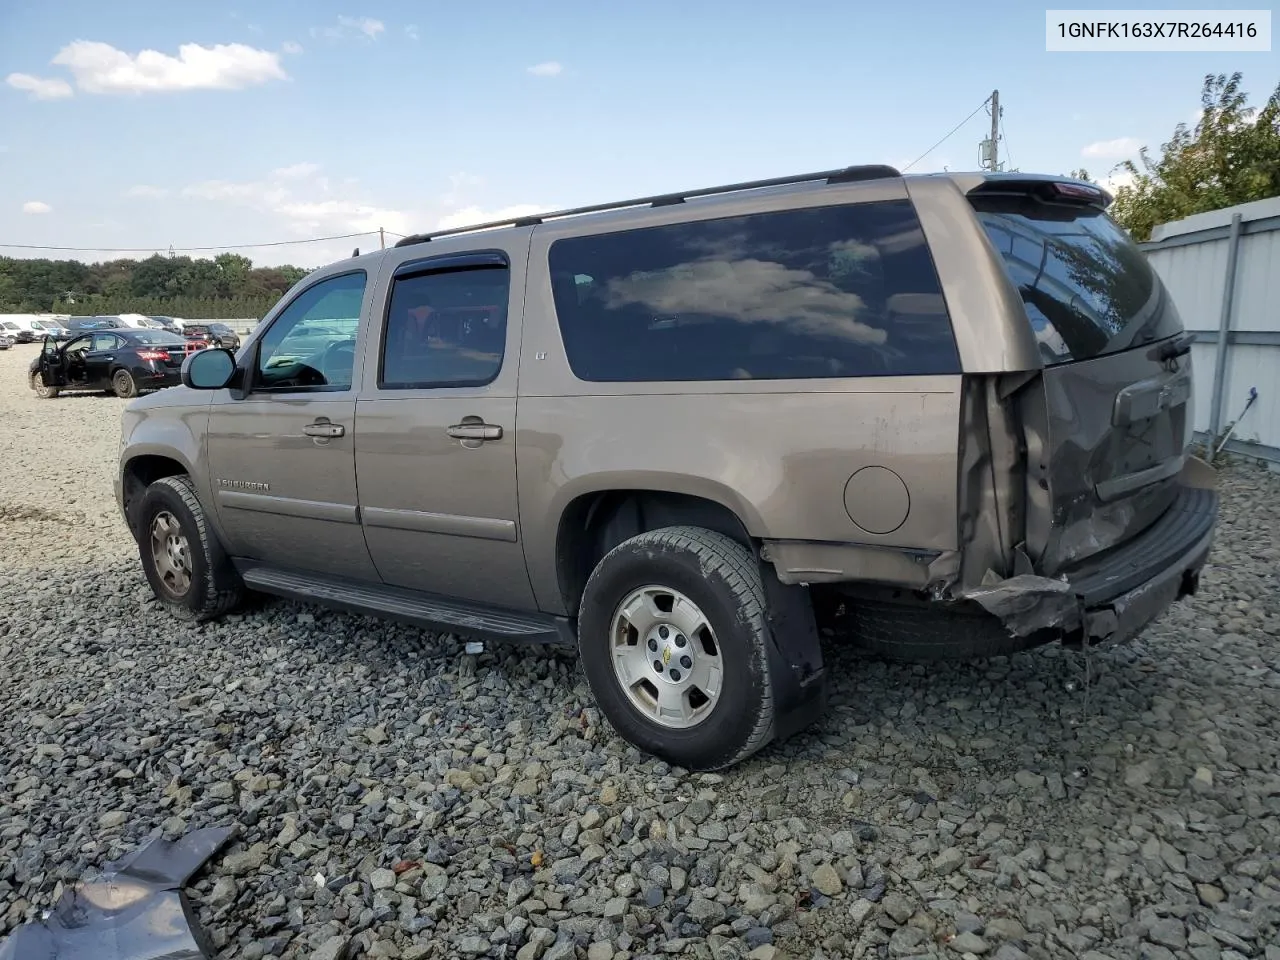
column 150, row 427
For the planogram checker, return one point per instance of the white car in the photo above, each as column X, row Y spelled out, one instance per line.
column 138, row 322
column 23, row 327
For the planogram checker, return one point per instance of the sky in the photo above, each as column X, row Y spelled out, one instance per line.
column 152, row 124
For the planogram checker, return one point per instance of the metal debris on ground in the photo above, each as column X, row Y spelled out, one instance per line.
column 137, row 910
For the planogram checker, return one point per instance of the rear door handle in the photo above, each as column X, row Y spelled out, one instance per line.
column 323, row 428
column 475, row 431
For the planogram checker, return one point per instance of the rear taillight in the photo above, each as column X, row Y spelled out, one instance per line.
column 1078, row 191
column 153, row 355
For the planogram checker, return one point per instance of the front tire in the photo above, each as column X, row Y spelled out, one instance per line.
column 187, row 569
column 43, row 392
column 123, row 385
column 672, row 636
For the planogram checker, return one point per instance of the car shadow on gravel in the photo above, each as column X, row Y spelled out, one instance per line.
column 1048, row 707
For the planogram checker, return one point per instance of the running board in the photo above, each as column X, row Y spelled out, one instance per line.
column 410, row 606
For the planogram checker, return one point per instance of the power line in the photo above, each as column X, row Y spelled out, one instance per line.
column 1003, row 136
column 172, row 249
column 948, row 136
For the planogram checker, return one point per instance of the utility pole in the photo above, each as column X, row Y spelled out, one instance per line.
column 995, row 129
column 382, row 239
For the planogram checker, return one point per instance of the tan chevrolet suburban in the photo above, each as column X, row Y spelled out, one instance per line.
column 945, row 415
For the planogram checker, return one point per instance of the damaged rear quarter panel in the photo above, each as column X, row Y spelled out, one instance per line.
column 784, row 474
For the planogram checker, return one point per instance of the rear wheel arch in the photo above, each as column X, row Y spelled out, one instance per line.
column 594, row 523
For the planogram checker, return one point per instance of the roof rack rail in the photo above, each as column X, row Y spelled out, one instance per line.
column 872, row 171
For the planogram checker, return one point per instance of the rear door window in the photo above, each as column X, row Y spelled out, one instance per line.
column 823, row 292
column 1086, row 287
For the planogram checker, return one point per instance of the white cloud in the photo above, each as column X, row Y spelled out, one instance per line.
column 549, row 69
column 305, row 200
column 296, row 170
column 1116, row 149
column 459, row 185
column 1115, row 180
column 472, row 216
column 148, row 192
column 411, row 31
column 101, row 68
column 351, row 27
column 289, row 46
column 40, row 88
column 36, row 206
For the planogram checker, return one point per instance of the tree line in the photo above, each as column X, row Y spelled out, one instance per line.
column 1231, row 156
column 226, row 286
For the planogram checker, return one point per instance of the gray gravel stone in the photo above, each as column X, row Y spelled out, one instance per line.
column 969, row 943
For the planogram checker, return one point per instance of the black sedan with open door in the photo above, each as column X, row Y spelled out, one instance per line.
column 124, row 361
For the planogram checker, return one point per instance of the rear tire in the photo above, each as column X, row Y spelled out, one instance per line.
column 704, row 701
column 185, row 565
column 123, row 385
column 43, row 392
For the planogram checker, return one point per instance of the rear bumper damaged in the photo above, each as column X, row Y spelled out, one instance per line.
column 1114, row 597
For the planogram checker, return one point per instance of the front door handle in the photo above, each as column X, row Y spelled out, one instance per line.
column 323, row 428
column 475, row 431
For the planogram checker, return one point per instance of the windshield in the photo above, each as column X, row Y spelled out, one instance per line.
column 1086, row 286
column 156, row 336
column 94, row 323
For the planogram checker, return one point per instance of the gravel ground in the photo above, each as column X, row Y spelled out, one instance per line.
column 397, row 798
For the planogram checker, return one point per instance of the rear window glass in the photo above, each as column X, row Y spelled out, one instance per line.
column 1086, row 286
column 156, row 336
column 847, row 291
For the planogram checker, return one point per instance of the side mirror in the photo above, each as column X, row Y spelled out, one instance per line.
column 208, row 369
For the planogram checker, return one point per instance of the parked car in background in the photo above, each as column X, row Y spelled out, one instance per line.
column 102, row 322
column 137, row 321
column 124, row 360
column 167, row 323
column 55, row 329
column 23, row 327
column 214, row 334
column 10, row 329
column 6, row 341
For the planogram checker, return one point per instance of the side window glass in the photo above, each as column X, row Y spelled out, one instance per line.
column 311, row 343
column 845, row 291
column 103, row 341
column 445, row 329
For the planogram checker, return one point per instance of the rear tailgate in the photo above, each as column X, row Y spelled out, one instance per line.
column 1108, row 422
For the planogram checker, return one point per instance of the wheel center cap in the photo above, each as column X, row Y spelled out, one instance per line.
column 671, row 655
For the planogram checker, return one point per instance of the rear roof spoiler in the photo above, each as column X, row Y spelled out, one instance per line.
column 1055, row 189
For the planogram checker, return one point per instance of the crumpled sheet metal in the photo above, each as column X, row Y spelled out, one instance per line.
column 136, row 911
column 1027, row 603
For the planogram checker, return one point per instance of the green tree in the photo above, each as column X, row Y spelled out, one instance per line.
column 227, row 287
column 1232, row 156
